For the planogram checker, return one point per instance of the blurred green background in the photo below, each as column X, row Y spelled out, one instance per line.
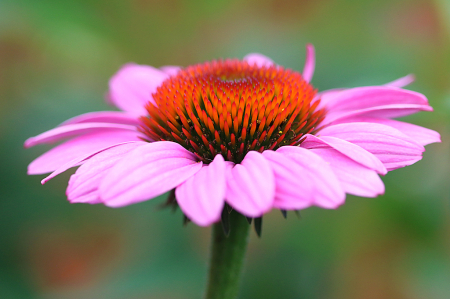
column 55, row 61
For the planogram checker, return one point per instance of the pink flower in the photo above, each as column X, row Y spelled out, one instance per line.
column 247, row 133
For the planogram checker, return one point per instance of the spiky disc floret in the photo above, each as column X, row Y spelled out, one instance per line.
column 231, row 107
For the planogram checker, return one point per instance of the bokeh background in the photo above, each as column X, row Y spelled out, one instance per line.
column 55, row 61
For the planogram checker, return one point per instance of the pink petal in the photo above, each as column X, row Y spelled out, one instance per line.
column 84, row 184
column 202, row 196
column 170, row 69
column 251, row 186
column 78, row 147
column 352, row 151
column 392, row 101
column 391, row 146
column 386, row 111
column 372, row 96
column 293, row 187
column 146, row 172
column 132, row 87
column 402, row 82
column 354, row 178
column 328, row 192
column 421, row 135
column 116, row 117
column 90, row 198
column 258, row 59
column 67, row 131
column 327, row 96
column 79, row 160
column 310, row 63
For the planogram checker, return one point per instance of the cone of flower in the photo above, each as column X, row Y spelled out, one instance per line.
column 234, row 138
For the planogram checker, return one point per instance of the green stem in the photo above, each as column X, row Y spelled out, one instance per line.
column 227, row 258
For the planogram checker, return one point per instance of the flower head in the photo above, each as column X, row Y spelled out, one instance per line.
column 247, row 133
column 230, row 108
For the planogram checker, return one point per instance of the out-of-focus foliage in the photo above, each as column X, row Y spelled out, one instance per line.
column 55, row 61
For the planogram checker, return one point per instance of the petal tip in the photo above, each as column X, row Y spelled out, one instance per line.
column 205, row 223
column 310, row 62
column 382, row 171
column 336, row 204
column 438, row 139
column 403, row 81
column 310, row 47
column 30, row 170
column 258, row 59
column 28, row 143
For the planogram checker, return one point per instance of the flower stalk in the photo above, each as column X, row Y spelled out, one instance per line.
column 227, row 258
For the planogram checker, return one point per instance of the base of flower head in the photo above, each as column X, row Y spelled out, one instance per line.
column 171, row 203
